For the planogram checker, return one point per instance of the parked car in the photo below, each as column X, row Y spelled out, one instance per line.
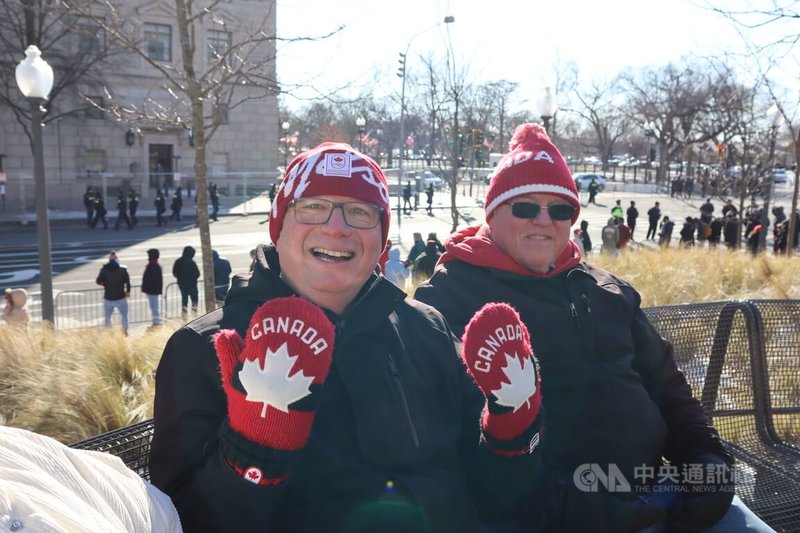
column 583, row 179
column 779, row 175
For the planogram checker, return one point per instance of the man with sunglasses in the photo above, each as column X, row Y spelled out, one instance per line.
column 612, row 391
column 343, row 405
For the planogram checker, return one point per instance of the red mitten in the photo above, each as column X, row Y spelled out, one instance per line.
column 496, row 349
column 273, row 377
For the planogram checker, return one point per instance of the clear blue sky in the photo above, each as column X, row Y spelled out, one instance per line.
column 517, row 40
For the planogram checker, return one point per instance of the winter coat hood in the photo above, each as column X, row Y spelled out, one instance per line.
column 188, row 251
column 394, row 254
column 474, row 245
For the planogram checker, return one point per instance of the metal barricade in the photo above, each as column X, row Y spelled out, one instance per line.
column 85, row 308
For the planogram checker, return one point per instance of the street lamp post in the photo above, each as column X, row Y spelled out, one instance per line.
column 361, row 123
column 775, row 120
column 401, row 72
column 285, row 127
column 650, row 134
column 35, row 80
column 547, row 108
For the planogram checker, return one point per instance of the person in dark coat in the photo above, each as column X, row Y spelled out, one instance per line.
column 730, row 230
column 407, row 207
column 122, row 211
column 133, row 205
column 222, row 276
column 687, row 233
column 160, row 204
column 585, row 238
column 99, row 210
column 116, row 290
column 381, row 428
column 186, row 272
column 429, row 198
column 214, row 194
column 653, row 215
column 665, row 232
column 177, row 204
column 612, row 390
column 153, row 285
column 426, row 261
column 631, row 215
column 88, row 203
column 716, row 231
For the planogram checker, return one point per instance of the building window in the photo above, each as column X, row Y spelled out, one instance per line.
column 91, row 38
column 158, row 39
column 219, row 42
column 95, row 162
column 94, row 107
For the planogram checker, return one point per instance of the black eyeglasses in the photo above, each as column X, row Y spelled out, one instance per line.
column 530, row 210
column 358, row 215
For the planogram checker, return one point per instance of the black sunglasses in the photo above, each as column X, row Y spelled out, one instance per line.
column 530, row 210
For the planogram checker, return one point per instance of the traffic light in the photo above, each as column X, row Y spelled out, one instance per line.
column 460, row 143
column 477, row 138
column 401, row 70
column 721, row 151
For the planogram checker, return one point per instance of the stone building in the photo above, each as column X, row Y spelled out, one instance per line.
column 130, row 130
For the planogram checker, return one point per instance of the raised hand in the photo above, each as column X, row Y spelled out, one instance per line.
column 272, row 377
column 496, row 349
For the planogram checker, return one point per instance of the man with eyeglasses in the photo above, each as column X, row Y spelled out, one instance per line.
column 612, row 392
column 321, row 398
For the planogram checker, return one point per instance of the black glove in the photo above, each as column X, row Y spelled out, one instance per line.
column 704, row 504
column 561, row 506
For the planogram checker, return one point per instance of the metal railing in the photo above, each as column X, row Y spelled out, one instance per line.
column 84, row 308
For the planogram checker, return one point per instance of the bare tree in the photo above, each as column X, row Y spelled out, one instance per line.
column 239, row 67
column 599, row 106
column 74, row 46
column 685, row 105
column 779, row 21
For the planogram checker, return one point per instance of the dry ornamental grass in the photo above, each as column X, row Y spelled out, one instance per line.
column 71, row 385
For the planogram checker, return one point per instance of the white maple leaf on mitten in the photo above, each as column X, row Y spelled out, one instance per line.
column 521, row 374
column 271, row 385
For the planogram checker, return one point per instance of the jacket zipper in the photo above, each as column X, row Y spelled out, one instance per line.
column 401, row 390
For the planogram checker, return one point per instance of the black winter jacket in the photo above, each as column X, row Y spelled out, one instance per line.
column 185, row 270
column 153, row 279
column 115, row 281
column 397, row 406
column 611, row 390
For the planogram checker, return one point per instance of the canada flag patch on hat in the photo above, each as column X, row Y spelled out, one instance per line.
column 337, row 165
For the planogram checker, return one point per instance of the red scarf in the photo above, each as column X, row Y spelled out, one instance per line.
column 474, row 246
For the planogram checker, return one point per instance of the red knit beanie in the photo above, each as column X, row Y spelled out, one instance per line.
column 331, row 169
column 532, row 165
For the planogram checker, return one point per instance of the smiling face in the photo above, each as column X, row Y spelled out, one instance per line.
column 533, row 243
column 328, row 263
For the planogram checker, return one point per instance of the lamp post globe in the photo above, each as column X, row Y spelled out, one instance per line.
column 35, row 80
column 547, row 108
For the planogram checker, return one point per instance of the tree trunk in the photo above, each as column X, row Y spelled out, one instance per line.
column 194, row 93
